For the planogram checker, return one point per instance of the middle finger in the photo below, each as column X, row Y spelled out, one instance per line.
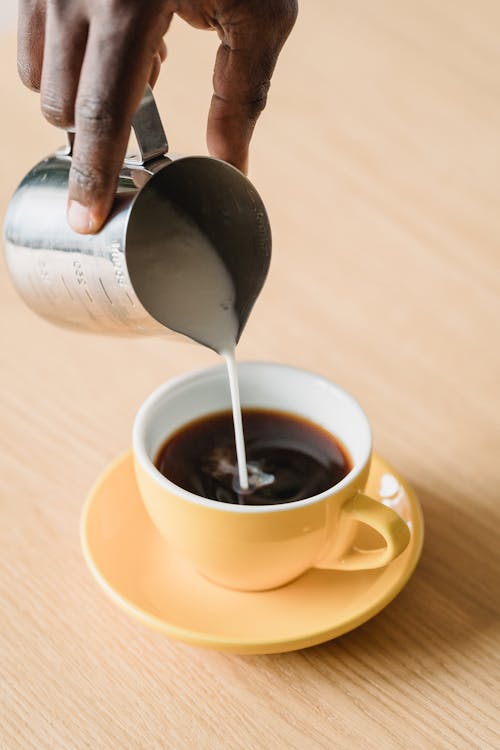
column 65, row 42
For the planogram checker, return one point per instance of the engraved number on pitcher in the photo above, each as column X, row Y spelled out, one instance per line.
column 116, row 259
column 80, row 278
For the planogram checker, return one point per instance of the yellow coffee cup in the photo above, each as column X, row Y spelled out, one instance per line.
column 254, row 548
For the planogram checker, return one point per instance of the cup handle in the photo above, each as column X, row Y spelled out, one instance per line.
column 386, row 521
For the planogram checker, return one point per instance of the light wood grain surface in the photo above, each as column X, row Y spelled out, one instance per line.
column 378, row 158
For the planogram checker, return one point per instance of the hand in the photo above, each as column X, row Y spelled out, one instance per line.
column 91, row 60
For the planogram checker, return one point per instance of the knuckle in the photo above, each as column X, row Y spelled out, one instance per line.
column 28, row 75
column 250, row 102
column 88, row 179
column 96, row 115
column 257, row 100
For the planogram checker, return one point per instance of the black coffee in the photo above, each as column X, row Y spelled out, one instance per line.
column 288, row 458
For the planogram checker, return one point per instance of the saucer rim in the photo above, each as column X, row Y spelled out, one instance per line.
column 244, row 645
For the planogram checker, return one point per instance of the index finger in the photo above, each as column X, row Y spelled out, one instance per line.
column 252, row 36
column 115, row 71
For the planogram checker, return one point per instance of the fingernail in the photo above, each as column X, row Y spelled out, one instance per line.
column 80, row 218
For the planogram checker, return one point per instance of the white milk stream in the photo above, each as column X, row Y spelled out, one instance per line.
column 195, row 293
column 238, row 424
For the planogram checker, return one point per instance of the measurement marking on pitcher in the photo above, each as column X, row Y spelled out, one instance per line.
column 130, row 299
column 105, row 292
column 80, row 277
column 116, row 260
column 79, row 273
column 66, row 287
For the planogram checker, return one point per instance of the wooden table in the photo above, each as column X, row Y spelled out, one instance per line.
column 378, row 159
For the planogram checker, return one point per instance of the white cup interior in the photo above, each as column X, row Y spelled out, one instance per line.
column 264, row 385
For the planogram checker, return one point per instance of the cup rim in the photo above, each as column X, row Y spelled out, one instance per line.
column 146, row 411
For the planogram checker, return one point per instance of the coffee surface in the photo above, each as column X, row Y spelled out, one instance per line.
column 289, row 458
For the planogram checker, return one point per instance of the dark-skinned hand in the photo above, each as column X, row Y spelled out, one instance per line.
column 91, row 61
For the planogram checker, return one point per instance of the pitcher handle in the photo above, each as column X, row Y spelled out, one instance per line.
column 148, row 129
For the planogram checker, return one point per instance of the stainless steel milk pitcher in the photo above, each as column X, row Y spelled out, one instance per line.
column 97, row 282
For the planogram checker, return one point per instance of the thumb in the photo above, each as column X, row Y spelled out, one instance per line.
column 245, row 62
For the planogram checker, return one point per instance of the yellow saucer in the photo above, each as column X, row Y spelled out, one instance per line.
column 134, row 566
